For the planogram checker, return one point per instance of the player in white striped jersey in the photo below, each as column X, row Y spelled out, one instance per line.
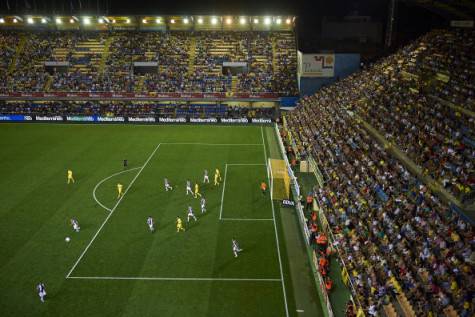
column 188, row 188
column 75, row 225
column 151, row 224
column 191, row 214
column 41, row 291
column 236, row 248
column 203, row 205
column 167, row 184
column 205, row 177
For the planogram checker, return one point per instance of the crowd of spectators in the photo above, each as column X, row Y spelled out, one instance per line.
column 397, row 98
column 187, row 62
column 395, row 235
column 134, row 109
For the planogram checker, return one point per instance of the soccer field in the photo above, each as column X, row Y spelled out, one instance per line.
column 115, row 266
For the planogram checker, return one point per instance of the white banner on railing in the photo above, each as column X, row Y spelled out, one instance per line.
column 317, row 65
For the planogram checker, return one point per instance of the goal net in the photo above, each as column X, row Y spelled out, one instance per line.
column 279, row 179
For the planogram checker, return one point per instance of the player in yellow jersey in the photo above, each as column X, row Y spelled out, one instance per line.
column 179, row 225
column 70, row 176
column 120, row 191
column 217, row 177
column 197, row 190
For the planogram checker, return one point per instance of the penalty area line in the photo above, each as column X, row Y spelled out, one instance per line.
column 175, row 278
column 106, row 179
column 112, row 211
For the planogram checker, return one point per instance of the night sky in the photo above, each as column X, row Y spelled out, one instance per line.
column 412, row 21
column 304, row 9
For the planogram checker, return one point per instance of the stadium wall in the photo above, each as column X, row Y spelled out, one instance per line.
column 345, row 65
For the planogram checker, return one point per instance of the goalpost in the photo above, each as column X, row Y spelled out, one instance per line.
column 279, row 179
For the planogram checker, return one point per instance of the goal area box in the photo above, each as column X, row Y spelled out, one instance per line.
column 279, row 179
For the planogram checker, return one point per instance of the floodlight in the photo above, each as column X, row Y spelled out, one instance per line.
column 144, row 21
column 242, row 20
column 71, row 21
column 256, row 21
column 172, row 21
column 158, row 20
column 58, row 21
column 43, row 20
column 86, row 20
column 267, row 21
column 15, row 20
column 113, row 21
column 288, row 21
column 200, row 20
column 185, row 20
column 214, row 20
column 2, row 20
column 278, row 21
column 30, row 20
column 127, row 21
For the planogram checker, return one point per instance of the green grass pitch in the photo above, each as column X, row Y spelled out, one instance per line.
column 114, row 266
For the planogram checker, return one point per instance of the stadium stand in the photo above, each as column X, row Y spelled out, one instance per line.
column 406, row 250
column 135, row 109
column 187, row 61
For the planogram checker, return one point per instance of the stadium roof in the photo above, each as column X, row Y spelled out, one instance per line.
column 150, row 22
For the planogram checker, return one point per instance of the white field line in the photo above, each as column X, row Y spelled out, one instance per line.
column 105, row 179
column 246, row 164
column 112, row 211
column 174, row 278
column 212, row 144
column 247, row 219
column 222, row 195
column 275, row 230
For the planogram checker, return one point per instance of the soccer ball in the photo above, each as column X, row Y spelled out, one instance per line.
column 67, row 239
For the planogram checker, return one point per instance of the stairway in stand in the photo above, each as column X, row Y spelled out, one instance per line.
column 87, row 55
column 18, row 51
column 105, row 54
column 191, row 62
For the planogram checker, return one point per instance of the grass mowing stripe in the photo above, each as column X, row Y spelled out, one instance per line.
column 275, row 229
column 105, row 179
column 175, row 278
column 112, row 211
column 222, row 195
